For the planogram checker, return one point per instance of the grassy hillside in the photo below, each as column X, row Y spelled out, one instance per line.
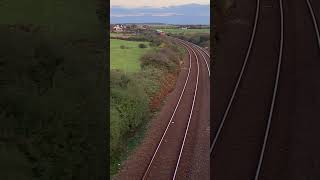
column 127, row 58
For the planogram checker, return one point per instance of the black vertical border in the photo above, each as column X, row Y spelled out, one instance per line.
column 107, row 80
column 213, row 7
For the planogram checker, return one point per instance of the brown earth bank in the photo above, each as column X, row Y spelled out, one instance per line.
column 292, row 151
column 166, row 86
column 193, row 164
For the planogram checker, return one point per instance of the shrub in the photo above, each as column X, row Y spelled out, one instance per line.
column 155, row 42
column 164, row 58
column 129, row 109
column 141, row 45
column 123, row 47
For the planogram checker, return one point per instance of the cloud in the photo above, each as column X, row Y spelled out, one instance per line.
column 127, row 15
column 183, row 14
column 168, row 14
column 155, row 3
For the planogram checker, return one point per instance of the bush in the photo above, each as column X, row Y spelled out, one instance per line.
column 124, row 47
column 155, row 42
column 200, row 39
column 129, row 110
column 165, row 59
column 141, row 45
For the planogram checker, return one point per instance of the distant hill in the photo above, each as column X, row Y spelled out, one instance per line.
column 183, row 14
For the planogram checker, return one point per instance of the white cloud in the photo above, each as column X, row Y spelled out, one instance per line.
column 166, row 14
column 146, row 14
column 127, row 15
column 154, row 3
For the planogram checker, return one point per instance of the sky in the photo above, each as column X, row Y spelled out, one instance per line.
column 178, row 14
column 155, row 3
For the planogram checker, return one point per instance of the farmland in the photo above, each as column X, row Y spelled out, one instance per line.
column 127, row 58
column 185, row 31
column 120, row 35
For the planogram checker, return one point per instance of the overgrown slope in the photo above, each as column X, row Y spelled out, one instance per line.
column 136, row 96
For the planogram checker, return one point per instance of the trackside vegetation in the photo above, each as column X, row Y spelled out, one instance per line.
column 201, row 39
column 136, row 95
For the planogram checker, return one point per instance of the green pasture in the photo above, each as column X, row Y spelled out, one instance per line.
column 127, row 59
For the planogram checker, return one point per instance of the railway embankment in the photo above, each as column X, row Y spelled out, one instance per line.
column 138, row 94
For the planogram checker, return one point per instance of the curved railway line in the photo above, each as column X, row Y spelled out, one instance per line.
column 157, row 167
column 200, row 50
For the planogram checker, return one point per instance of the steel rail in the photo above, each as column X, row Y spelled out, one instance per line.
column 239, row 78
column 205, row 51
column 194, row 45
column 201, row 52
column 202, row 49
column 172, row 116
column 274, row 95
column 314, row 21
column 190, row 116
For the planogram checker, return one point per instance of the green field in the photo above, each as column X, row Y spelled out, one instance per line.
column 120, row 35
column 185, row 31
column 128, row 59
column 113, row 34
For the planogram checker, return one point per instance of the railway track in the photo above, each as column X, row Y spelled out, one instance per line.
column 168, row 155
column 201, row 51
column 243, row 133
